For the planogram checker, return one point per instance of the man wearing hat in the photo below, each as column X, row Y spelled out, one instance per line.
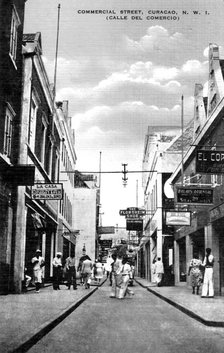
column 38, row 263
column 57, row 267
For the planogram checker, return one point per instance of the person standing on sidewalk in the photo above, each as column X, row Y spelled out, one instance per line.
column 195, row 274
column 71, row 271
column 38, row 263
column 208, row 283
column 57, row 267
column 159, row 271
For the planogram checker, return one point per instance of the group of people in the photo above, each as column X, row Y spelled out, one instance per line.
column 121, row 272
column 86, row 271
column 201, row 273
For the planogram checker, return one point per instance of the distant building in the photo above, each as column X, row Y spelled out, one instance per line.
column 86, row 214
column 162, row 154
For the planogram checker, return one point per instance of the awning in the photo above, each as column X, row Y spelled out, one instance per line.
column 71, row 236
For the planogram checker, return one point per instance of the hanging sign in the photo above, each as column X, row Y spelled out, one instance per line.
column 136, row 225
column 192, row 195
column 178, row 218
column 210, row 162
column 134, row 212
column 47, row 192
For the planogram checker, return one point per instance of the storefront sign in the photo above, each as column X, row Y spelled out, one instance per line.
column 190, row 195
column 71, row 236
column 106, row 230
column 132, row 212
column 217, row 213
column 136, row 225
column 211, row 162
column 106, row 243
column 47, row 192
column 178, row 218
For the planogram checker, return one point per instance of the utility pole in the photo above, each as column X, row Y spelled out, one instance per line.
column 124, row 171
column 137, row 193
column 182, row 139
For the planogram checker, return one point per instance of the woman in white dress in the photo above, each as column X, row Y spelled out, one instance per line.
column 98, row 270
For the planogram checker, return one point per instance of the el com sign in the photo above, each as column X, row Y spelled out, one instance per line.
column 211, row 162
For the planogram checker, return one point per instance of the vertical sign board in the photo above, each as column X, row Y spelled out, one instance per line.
column 47, row 192
column 198, row 196
column 210, row 162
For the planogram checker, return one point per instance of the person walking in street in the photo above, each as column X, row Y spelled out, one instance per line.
column 108, row 268
column 71, row 271
column 159, row 271
column 79, row 268
column 98, row 275
column 57, row 270
column 116, row 276
column 125, row 273
column 38, row 263
column 208, row 283
column 86, row 271
column 195, row 273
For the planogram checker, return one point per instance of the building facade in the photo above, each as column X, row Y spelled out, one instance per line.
column 201, row 168
column 162, row 154
column 11, row 33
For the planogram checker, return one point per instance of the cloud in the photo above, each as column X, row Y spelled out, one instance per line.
column 156, row 38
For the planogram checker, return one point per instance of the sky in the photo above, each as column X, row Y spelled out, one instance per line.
column 122, row 75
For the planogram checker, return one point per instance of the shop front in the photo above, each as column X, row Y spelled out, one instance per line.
column 217, row 230
column 41, row 230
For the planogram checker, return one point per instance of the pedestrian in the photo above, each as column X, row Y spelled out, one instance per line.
column 116, row 275
column 195, row 273
column 98, row 275
column 71, row 271
column 38, row 263
column 108, row 268
column 153, row 271
column 86, row 271
column 57, row 270
column 159, row 271
column 79, row 268
column 123, row 289
column 208, row 283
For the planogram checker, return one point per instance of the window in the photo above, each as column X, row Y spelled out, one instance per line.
column 43, row 133
column 9, row 116
column 33, row 118
column 13, row 34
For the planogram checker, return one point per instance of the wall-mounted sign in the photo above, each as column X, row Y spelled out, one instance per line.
column 190, row 195
column 47, row 191
column 178, row 218
column 211, row 162
column 133, row 212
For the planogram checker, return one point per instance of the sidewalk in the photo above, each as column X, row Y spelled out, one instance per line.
column 208, row 311
column 25, row 318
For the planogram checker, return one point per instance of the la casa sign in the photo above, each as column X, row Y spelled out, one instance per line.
column 47, row 191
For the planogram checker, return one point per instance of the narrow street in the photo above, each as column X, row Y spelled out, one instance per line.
column 143, row 323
